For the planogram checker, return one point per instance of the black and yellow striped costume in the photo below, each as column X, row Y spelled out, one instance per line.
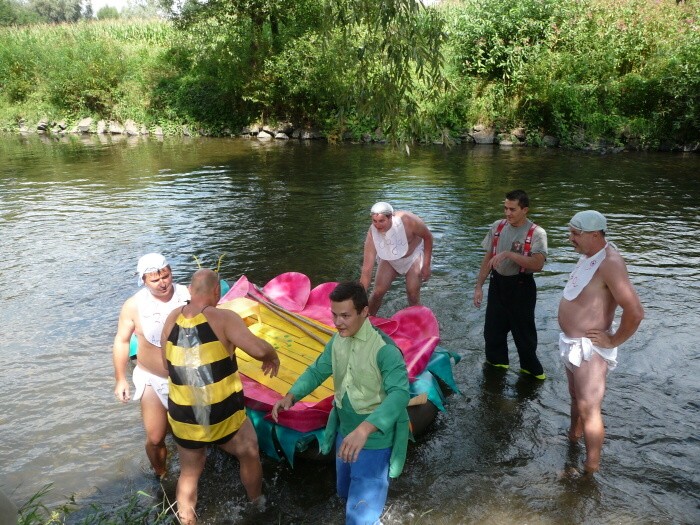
column 205, row 403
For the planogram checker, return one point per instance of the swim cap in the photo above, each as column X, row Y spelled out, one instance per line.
column 589, row 221
column 149, row 263
column 382, row 207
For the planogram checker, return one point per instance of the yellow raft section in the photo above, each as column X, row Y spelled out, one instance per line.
column 298, row 340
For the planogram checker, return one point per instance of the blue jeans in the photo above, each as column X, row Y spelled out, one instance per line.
column 364, row 484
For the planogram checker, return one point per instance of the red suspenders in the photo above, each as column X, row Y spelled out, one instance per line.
column 527, row 247
column 496, row 235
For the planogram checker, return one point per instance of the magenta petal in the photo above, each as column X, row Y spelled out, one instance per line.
column 388, row 326
column 289, row 290
column 416, row 322
column 318, row 306
column 239, row 289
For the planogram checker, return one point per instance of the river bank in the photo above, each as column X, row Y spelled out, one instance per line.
column 86, row 130
column 600, row 75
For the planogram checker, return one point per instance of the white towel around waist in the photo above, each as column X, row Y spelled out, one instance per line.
column 575, row 350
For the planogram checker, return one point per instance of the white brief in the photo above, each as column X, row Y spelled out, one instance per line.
column 404, row 264
column 142, row 379
column 574, row 350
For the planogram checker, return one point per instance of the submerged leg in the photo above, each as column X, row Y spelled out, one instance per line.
column 413, row 283
column 244, row 445
column 589, row 390
column 575, row 431
column 191, row 467
column 155, row 422
column 382, row 281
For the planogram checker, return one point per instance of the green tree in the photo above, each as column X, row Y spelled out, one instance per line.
column 16, row 12
column 398, row 58
column 390, row 48
column 144, row 9
column 58, row 10
column 107, row 12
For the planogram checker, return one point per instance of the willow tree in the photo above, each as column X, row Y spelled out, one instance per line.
column 396, row 53
column 364, row 57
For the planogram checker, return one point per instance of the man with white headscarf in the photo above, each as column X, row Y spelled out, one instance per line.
column 587, row 344
column 144, row 314
column 401, row 244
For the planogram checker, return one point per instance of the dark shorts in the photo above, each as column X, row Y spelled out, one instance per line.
column 194, row 445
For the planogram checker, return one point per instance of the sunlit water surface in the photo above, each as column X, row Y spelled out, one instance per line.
column 75, row 215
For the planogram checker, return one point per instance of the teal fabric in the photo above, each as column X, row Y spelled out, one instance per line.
column 133, row 345
column 292, row 441
column 264, row 429
column 426, row 382
column 440, row 365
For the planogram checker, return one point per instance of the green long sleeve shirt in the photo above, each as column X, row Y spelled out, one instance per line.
column 390, row 416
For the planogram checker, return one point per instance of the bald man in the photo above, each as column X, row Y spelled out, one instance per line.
column 205, row 400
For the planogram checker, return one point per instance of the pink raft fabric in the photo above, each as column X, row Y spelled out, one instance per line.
column 414, row 329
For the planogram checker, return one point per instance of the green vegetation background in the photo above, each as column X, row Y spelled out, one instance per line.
column 618, row 72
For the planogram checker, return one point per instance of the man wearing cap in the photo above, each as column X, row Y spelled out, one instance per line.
column 144, row 314
column 401, row 244
column 515, row 248
column 587, row 344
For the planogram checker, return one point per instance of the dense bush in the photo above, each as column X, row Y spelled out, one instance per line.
column 583, row 71
column 100, row 69
column 616, row 71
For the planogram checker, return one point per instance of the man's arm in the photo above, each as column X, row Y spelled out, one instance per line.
column 420, row 229
column 534, row 261
column 120, row 349
column 616, row 278
column 240, row 336
column 484, row 271
column 313, row 376
column 167, row 328
column 369, row 257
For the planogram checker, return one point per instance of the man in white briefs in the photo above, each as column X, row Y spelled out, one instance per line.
column 401, row 244
column 587, row 344
column 144, row 314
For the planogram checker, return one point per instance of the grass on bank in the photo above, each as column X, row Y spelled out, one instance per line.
column 138, row 509
column 621, row 72
column 103, row 69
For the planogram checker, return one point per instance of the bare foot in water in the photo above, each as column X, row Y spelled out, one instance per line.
column 588, row 471
column 569, row 473
column 573, row 473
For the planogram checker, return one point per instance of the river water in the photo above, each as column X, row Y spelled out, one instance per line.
column 76, row 214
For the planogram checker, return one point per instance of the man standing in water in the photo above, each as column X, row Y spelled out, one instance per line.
column 588, row 347
column 205, row 400
column 515, row 248
column 368, row 425
column 402, row 244
column 144, row 314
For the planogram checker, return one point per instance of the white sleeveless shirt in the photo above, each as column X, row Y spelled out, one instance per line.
column 393, row 244
column 153, row 312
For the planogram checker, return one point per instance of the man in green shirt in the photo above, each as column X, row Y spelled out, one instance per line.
column 369, row 422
